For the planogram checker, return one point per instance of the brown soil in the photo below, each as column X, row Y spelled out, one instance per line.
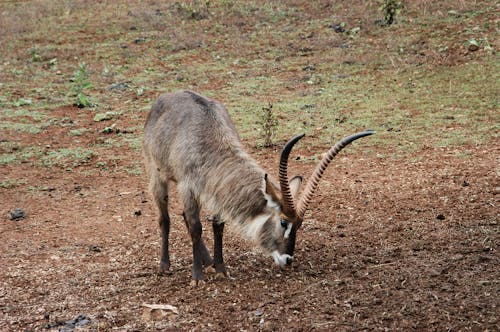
column 386, row 245
column 389, row 243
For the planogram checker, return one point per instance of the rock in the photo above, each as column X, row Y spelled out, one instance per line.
column 338, row 28
column 70, row 325
column 17, row 214
column 118, row 86
column 94, row 248
column 157, row 312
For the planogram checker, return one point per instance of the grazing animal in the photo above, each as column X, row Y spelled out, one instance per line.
column 190, row 140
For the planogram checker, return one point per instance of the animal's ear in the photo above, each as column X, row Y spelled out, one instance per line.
column 295, row 184
column 271, row 189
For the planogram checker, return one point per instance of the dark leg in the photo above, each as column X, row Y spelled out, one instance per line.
column 165, row 230
column 159, row 190
column 192, row 217
column 218, row 227
column 205, row 254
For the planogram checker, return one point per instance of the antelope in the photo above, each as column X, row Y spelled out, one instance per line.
column 190, row 140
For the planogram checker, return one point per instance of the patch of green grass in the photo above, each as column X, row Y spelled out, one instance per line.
column 109, row 142
column 67, row 157
column 12, row 183
column 24, row 121
column 102, row 165
column 134, row 142
column 13, row 153
column 21, row 127
column 248, row 54
column 136, row 169
column 78, row 132
column 34, row 115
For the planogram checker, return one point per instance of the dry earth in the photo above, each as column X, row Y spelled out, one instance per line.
column 394, row 242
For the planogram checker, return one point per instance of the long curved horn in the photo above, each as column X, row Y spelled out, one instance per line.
column 287, row 199
column 313, row 182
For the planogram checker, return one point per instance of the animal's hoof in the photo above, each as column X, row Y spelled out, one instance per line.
column 164, row 268
column 197, row 283
column 223, row 276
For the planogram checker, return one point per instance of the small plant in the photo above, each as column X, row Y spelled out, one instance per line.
column 35, row 56
column 193, row 10
column 268, row 123
column 390, row 9
column 80, row 83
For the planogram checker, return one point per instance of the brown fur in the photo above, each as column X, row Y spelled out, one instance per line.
column 190, row 140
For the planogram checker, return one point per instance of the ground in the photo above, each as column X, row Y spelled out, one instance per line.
column 402, row 235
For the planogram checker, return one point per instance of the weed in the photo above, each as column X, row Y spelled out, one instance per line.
column 268, row 123
column 193, row 10
column 390, row 9
column 81, row 83
column 35, row 56
column 102, row 165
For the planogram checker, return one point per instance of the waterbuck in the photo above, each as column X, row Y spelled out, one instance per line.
column 190, row 140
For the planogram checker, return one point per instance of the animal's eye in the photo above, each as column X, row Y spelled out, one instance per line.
column 284, row 224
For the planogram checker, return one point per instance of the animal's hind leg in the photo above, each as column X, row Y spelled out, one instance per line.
column 205, row 254
column 159, row 190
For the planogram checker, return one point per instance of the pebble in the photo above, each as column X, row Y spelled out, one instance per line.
column 17, row 214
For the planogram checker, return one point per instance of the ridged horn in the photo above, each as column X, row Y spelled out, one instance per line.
column 288, row 205
column 313, row 182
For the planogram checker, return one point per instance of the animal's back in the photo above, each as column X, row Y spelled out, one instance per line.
column 185, row 131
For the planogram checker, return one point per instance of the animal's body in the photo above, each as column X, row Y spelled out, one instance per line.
column 190, row 141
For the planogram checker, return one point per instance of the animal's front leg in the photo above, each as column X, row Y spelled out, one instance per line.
column 165, row 230
column 192, row 217
column 205, row 254
column 218, row 227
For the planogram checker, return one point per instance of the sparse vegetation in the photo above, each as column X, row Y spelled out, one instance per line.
column 81, row 83
column 422, row 74
column 390, row 9
column 67, row 157
column 12, row 183
column 268, row 123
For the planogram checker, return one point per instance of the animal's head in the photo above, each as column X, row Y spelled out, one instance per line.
column 287, row 217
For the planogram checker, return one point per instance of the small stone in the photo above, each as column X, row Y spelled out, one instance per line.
column 118, row 86
column 95, row 248
column 259, row 312
column 17, row 214
column 338, row 28
column 440, row 217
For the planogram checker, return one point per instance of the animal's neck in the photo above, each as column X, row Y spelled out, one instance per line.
column 236, row 190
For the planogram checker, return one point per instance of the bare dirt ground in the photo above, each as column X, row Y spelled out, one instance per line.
column 390, row 243
column 385, row 246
